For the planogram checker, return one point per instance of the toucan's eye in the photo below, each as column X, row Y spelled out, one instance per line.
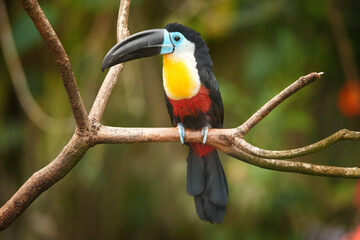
column 177, row 38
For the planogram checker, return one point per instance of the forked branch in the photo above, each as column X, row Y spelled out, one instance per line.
column 343, row 134
column 62, row 61
column 79, row 143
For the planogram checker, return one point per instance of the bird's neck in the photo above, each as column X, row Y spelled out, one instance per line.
column 180, row 76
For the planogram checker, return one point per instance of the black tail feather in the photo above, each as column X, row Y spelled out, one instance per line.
column 207, row 211
column 206, row 181
column 216, row 183
column 195, row 180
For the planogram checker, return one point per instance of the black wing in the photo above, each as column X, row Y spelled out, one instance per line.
column 216, row 112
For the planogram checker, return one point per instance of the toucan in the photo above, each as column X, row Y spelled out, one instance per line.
column 193, row 101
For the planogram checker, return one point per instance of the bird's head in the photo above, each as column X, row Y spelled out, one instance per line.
column 175, row 40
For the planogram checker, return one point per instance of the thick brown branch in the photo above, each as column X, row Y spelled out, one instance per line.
column 224, row 140
column 343, row 134
column 108, row 134
column 275, row 101
column 42, row 180
column 112, row 76
column 62, row 61
column 77, row 146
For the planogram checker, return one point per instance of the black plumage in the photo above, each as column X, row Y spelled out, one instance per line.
column 206, row 179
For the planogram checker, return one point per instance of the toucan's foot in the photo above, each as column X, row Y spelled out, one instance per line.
column 181, row 131
column 204, row 133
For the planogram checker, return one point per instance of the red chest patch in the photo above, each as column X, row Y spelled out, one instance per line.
column 190, row 106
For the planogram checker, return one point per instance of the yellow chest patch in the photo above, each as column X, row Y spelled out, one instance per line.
column 180, row 78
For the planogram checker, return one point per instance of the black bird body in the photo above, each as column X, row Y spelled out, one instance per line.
column 193, row 101
column 205, row 176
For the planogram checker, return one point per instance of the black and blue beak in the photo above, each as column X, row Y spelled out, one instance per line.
column 143, row 44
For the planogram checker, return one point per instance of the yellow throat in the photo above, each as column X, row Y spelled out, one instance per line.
column 180, row 77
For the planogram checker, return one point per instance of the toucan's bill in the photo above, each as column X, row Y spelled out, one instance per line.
column 143, row 44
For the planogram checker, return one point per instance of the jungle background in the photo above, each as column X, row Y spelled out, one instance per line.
column 137, row 191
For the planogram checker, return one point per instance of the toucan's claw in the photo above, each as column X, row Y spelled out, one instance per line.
column 204, row 133
column 181, row 131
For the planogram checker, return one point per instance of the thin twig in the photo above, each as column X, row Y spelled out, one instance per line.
column 122, row 28
column 40, row 118
column 275, row 101
column 113, row 74
column 343, row 134
column 62, row 61
column 290, row 166
column 103, row 95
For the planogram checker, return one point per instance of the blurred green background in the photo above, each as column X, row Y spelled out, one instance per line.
column 137, row 191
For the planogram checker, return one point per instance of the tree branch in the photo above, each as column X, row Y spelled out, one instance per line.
column 42, row 180
column 290, row 166
column 343, row 134
column 79, row 143
column 62, row 61
column 225, row 140
column 275, row 101
column 106, row 134
column 113, row 74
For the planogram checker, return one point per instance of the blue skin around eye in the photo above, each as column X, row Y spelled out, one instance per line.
column 168, row 46
column 179, row 41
